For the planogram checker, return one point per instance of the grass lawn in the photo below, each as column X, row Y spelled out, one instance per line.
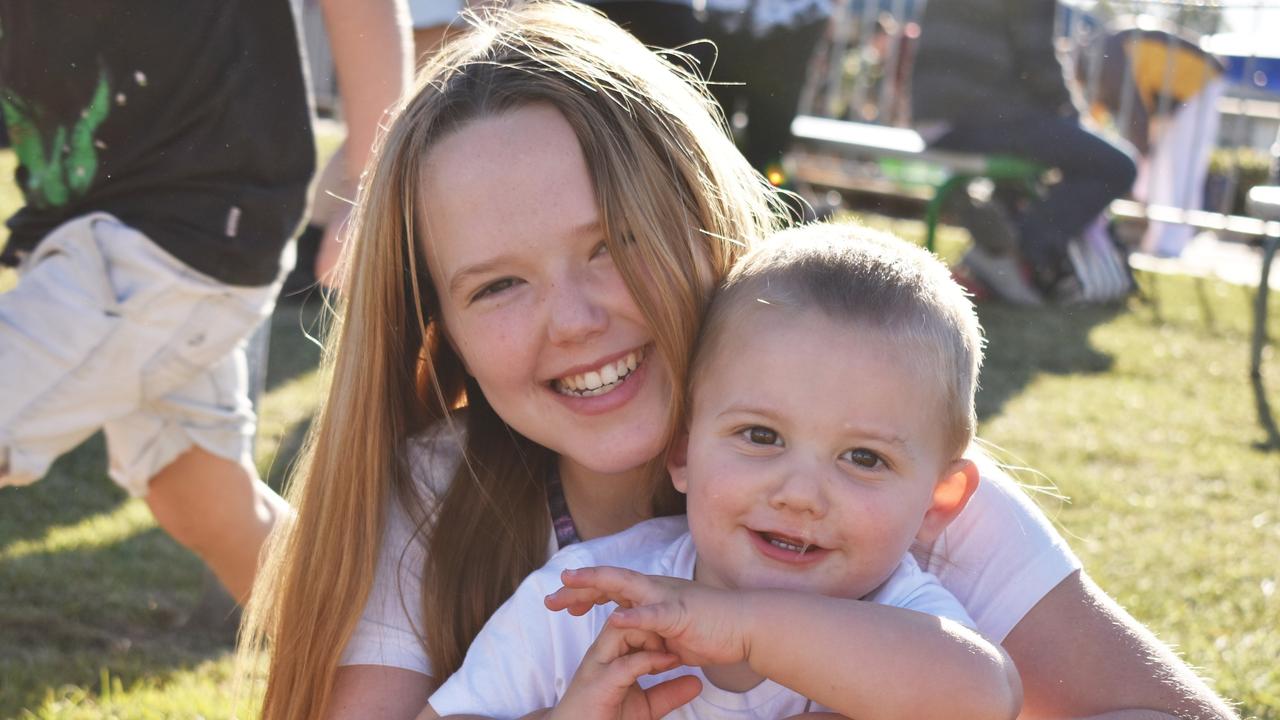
column 1145, row 421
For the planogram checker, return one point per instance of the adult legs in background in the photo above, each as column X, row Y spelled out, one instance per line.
column 765, row 74
column 1093, row 173
column 663, row 25
column 1176, row 170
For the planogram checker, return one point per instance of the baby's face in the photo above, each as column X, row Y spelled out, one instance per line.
column 814, row 449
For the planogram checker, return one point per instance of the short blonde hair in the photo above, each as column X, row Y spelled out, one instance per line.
column 872, row 279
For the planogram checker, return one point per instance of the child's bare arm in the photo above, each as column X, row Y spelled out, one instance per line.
column 860, row 658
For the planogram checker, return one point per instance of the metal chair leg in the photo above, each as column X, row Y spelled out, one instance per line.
column 1260, row 307
column 933, row 211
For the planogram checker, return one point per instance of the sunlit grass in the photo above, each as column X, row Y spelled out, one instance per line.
column 95, row 532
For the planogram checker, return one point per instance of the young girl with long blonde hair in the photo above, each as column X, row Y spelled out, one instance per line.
column 532, row 250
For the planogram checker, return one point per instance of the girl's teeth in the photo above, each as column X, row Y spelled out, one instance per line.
column 598, row 382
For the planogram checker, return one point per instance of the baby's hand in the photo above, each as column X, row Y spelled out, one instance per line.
column 604, row 687
column 701, row 625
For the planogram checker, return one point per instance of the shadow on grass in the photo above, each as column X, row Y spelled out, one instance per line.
column 286, row 454
column 75, row 488
column 296, row 331
column 1025, row 342
column 66, row 616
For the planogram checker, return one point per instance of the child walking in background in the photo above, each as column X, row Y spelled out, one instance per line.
column 832, row 399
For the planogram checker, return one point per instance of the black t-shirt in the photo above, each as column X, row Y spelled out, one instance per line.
column 187, row 119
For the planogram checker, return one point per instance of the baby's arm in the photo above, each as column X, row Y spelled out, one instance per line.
column 859, row 658
column 605, row 685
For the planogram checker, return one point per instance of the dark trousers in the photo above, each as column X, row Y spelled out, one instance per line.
column 764, row 74
column 663, row 25
column 1093, row 173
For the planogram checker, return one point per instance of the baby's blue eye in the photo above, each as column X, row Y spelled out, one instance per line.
column 862, row 457
column 759, row 435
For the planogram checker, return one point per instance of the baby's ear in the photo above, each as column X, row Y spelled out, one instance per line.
column 950, row 495
column 678, row 461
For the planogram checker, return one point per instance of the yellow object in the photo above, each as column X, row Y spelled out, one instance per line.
column 1159, row 68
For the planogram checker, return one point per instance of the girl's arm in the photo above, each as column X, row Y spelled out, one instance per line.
column 365, row 691
column 1081, row 655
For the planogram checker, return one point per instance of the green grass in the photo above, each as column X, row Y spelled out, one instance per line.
column 1145, row 420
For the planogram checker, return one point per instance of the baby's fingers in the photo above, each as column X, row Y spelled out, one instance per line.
column 667, row 696
column 615, row 642
column 625, row 587
column 576, row 600
column 623, row 672
column 662, row 618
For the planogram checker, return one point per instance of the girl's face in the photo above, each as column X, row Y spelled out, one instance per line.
column 813, row 456
column 532, row 300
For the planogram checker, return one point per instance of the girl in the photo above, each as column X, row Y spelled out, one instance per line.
column 535, row 243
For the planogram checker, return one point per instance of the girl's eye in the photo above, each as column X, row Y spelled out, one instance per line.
column 862, row 457
column 494, row 288
column 601, row 250
column 757, row 435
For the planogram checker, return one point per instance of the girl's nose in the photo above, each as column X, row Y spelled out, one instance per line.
column 576, row 314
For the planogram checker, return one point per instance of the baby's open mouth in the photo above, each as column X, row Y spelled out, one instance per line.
column 600, row 380
column 791, row 544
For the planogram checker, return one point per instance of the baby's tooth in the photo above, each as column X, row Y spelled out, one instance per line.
column 609, row 374
column 593, row 380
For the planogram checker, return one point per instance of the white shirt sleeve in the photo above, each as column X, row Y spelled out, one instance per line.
column 1001, row 555
column 389, row 631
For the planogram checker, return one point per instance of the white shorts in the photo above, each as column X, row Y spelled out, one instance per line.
column 106, row 330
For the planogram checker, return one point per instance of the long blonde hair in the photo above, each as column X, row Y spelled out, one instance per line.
column 678, row 205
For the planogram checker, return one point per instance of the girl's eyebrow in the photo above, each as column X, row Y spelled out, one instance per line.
column 481, row 268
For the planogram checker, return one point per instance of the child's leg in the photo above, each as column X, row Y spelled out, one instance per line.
column 220, row 510
column 186, row 447
column 106, row 330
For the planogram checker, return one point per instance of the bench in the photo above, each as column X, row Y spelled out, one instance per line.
column 827, row 153
column 823, row 149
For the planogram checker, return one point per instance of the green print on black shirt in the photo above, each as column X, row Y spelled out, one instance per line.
column 63, row 167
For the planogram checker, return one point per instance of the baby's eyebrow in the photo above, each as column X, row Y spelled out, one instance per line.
column 763, row 413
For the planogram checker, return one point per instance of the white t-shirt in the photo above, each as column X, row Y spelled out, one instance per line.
column 998, row 558
column 526, row 655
